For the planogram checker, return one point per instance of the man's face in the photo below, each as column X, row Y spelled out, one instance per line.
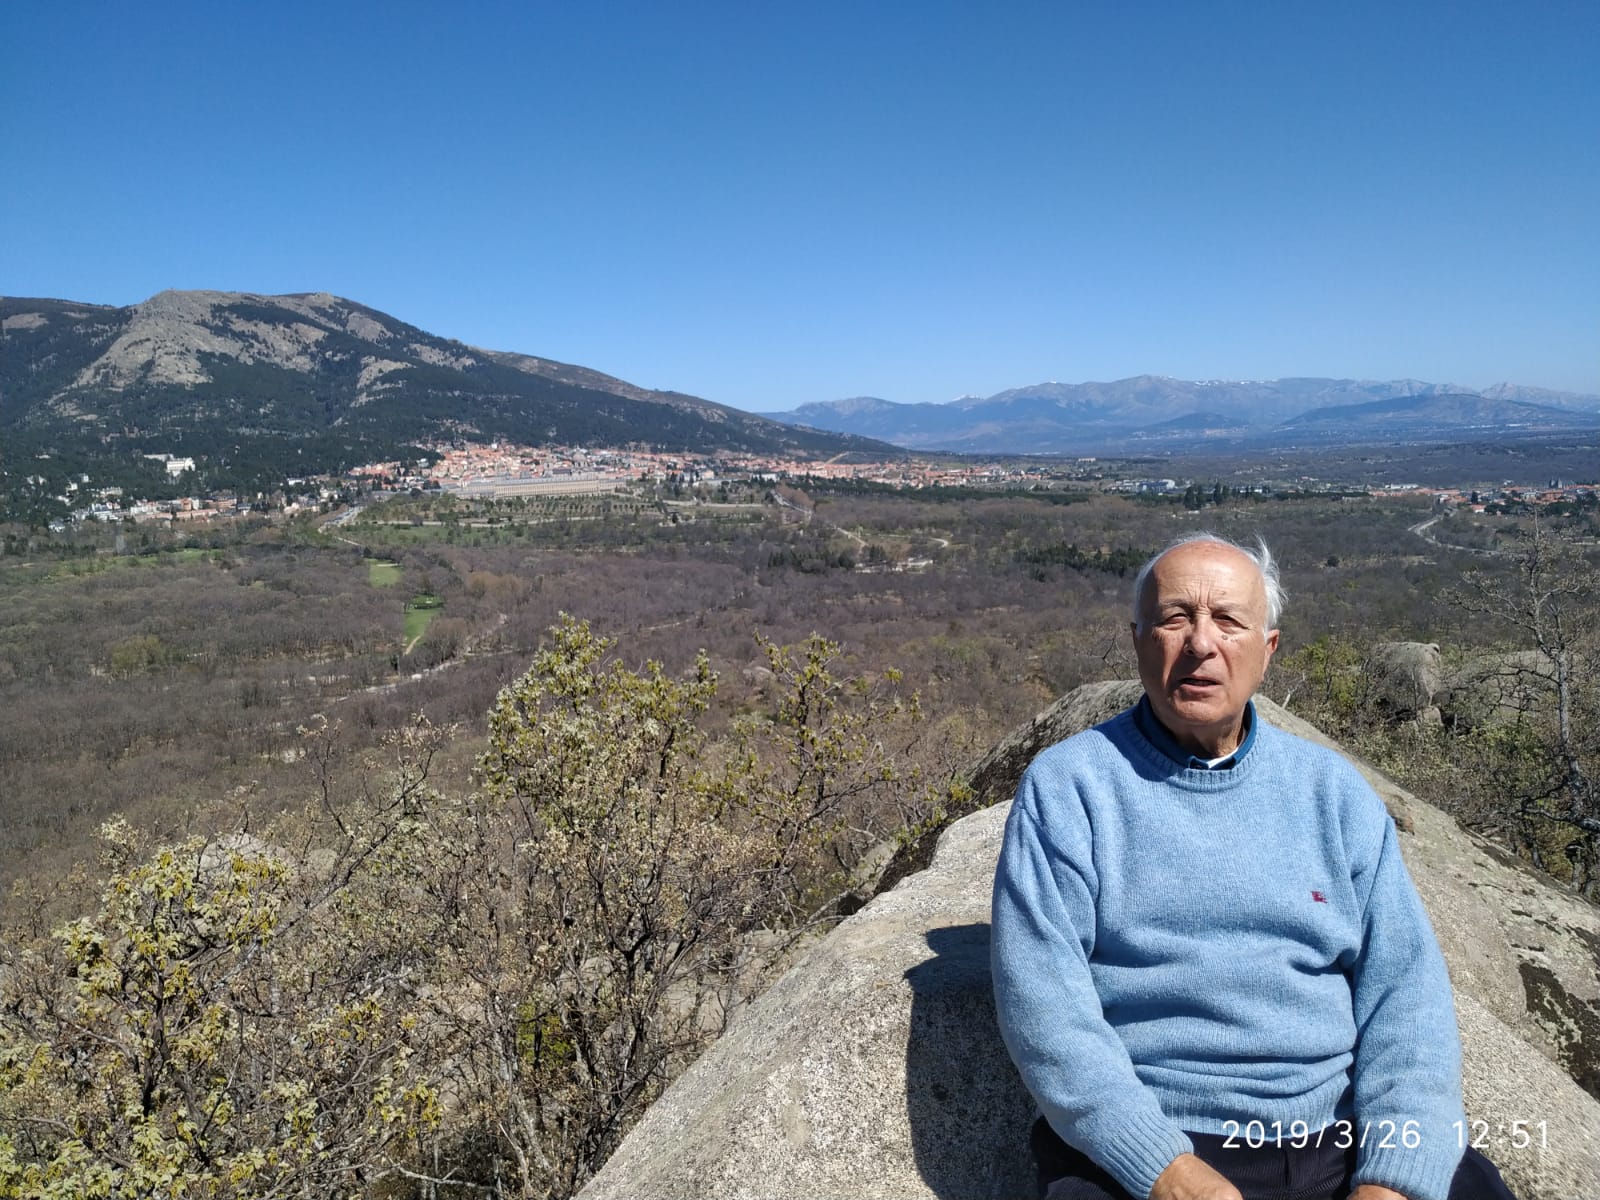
column 1202, row 643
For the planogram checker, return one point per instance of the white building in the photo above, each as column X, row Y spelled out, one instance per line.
column 175, row 466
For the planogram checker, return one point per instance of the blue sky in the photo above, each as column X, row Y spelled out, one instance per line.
column 771, row 203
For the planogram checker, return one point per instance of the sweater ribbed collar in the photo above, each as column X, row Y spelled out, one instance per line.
column 1144, row 717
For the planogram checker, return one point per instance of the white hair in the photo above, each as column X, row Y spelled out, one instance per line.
column 1261, row 557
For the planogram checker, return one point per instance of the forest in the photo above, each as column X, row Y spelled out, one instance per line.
column 412, row 856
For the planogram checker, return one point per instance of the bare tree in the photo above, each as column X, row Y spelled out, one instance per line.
column 1551, row 604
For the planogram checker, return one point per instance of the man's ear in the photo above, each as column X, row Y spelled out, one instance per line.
column 1272, row 645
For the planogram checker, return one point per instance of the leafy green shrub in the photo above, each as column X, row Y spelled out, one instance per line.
column 478, row 990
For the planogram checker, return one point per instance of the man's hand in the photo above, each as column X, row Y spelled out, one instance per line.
column 1190, row 1178
column 1371, row 1191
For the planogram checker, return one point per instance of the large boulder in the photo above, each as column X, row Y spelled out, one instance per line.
column 874, row 1068
column 1404, row 676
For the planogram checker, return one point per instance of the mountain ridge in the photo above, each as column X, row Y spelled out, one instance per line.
column 261, row 386
column 313, row 381
column 1058, row 417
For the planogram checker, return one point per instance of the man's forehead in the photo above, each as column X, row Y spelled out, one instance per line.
column 1207, row 566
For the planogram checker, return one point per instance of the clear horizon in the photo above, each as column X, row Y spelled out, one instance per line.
column 770, row 206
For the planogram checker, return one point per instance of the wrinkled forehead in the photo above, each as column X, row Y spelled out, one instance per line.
column 1205, row 573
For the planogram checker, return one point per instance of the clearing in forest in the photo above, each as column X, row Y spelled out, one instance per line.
column 420, row 610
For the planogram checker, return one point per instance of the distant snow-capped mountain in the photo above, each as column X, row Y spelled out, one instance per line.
column 1147, row 411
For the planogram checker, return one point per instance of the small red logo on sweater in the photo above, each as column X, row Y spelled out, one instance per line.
column 1319, row 897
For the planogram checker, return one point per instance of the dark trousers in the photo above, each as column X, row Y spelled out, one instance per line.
column 1269, row 1172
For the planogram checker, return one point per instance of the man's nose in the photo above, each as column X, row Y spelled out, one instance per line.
column 1202, row 638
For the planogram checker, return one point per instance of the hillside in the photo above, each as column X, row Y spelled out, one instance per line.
column 1418, row 414
column 257, row 387
column 1150, row 412
column 177, row 685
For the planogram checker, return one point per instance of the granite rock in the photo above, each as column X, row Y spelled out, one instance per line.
column 873, row 1068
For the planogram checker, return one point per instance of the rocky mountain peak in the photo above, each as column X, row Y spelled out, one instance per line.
column 169, row 333
column 252, row 382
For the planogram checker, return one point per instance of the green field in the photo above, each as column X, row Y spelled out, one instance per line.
column 420, row 609
column 383, row 574
column 78, row 567
column 419, row 612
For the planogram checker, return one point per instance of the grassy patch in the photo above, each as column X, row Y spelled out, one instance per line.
column 77, row 568
column 419, row 612
column 382, row 574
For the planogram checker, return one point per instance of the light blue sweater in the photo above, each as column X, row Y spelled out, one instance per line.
column 1178, row 948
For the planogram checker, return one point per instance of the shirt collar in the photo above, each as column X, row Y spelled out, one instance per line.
column 1144, row 716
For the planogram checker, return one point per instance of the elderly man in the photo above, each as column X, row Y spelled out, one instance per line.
column 1210, row 965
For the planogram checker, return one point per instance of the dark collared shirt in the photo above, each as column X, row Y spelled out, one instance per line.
column 1144, row 716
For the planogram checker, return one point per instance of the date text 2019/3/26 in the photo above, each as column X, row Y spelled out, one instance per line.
column 1385, row 1134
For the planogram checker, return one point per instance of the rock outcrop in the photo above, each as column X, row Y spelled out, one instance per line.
column 1404, row 676
column 873, row 1068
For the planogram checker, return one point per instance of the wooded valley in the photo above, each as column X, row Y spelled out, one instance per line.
column 423, row 849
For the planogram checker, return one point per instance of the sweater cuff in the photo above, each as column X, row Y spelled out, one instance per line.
column 1136, row 1148
column 1420, row 1174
